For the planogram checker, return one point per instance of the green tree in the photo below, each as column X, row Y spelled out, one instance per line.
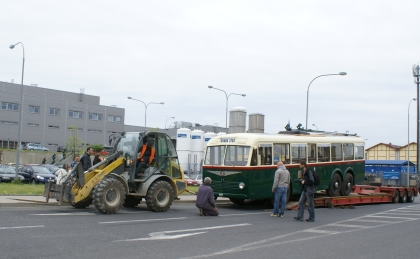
column 97, row 147
column 74, row 143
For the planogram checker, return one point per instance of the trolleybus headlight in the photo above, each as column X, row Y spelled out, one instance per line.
column 241, row 186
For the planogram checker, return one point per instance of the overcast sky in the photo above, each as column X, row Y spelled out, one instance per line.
column 170, row 51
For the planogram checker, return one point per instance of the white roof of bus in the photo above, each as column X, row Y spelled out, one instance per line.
column 253, row 138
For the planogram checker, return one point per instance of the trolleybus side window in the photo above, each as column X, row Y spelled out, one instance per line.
column 254, row 157
column 214, row 155
column 324, row 152
column 359, row 152
column 298, row 153
column 265, row 151
column 281, row 153
column 236, row 155
column 348, row 150
column 311, row 153
column 336, row 152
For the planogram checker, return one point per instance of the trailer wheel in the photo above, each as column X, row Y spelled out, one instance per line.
column 396, row 197
column 108, row 196
column 159, row 196
column 335, row 186
column 131, row 202
column 83, row 203
column 237, row 201
column 403, row 198
column 347, row 185
column 411, row 196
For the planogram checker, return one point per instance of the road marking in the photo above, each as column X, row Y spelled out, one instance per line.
column 398, row 213
column 348, row 226
column 162, row 234
column 371, row 220
column 321, row 231
column 139, row 220
column 242, row 214
column 66, row 214
column 19, row 227
column 387, row 217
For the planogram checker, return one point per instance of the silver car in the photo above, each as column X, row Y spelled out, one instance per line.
column 33, row 146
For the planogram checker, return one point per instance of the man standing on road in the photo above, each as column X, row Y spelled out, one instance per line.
column 308, row 191
column 85, row 160
column 205, row 199
column 280, row 185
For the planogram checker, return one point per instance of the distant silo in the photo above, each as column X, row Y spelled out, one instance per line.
column 183, row 147
column 197, row 149
column 256, row 123
column 237, row 120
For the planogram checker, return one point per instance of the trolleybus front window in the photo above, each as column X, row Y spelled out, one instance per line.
column 237, row 155
column 215, row 155
column 359, row 151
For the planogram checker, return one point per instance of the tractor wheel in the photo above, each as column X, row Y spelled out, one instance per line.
column 403, row 198
column 347, row 185
column 83, row 203
column 396, row 197
column 131, row 201
column 159, row 196
column 411, row 197
column 335, row 186
column 237, row 201
column 108, row 196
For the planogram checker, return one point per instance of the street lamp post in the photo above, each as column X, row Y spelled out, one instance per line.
column 167, row 121
column 408, row 145
column 307, row 93
column 315, row 126
column 227, row 99
column 21, row 107
column 145, row 107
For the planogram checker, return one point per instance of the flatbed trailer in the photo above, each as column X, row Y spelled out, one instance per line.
column 365, row 194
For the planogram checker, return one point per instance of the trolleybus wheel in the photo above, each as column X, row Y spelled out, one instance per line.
column 403, row 198
column 335, row 186
column 411, row 196
column 237, row 201
column 347, row 185
column 396, row 197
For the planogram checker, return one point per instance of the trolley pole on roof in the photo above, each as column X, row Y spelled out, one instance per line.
column 416, row 75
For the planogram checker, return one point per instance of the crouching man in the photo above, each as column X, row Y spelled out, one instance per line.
column 205, row 199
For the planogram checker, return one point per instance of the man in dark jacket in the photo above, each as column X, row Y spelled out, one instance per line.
column 205, row 199
column 308, row 191
column 85, row 160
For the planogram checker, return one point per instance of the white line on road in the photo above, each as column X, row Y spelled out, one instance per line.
column 19, row 227
column 347, row 226
column 140, row 220
column 398, row 213
column 242, row 214
column 162, row 234
column 65, row 214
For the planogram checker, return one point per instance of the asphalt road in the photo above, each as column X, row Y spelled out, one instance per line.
column 369, row 231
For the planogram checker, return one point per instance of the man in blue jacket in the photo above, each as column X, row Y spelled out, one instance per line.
column 205, row 199
column 308, row 191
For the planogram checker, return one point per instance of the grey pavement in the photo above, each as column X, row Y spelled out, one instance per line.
column 36, row 200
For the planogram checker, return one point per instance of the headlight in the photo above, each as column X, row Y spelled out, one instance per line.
column 40, row 177
column 5, row 178
column 241, row 186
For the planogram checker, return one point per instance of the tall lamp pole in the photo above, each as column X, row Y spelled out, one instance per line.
column 227, row 99
column 145, row 107
column 21, row 108
column 416, row 75
column 408, row 145
column 167, row 121
column 307, row 93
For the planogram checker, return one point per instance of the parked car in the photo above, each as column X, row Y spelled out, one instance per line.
column 51, row 168
column 8, row 173
column 36, row 174
column 33, row 146
column 199, row 179
column 61, row 149
column 190, row 181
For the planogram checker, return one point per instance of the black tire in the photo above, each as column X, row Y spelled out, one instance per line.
column 159, row 196
column 131, row 202
column 237, row 201
column 45, row 150
column 347, row 185
column 108, row 196
column 411, row 197
column 403, row 198
column 335, row 185
column 83, row 203
column 396, row 197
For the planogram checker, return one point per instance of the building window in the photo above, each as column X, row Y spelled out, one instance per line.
column 54, row 111
column 95, row 116
column 54, row 145
column 78, row 129
column 94, row 131
column 33, row 125
column 112, row 118
column 76, row 114
column 53, row 127
column 33, row 109
column 9, row 122
column 9, row 106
